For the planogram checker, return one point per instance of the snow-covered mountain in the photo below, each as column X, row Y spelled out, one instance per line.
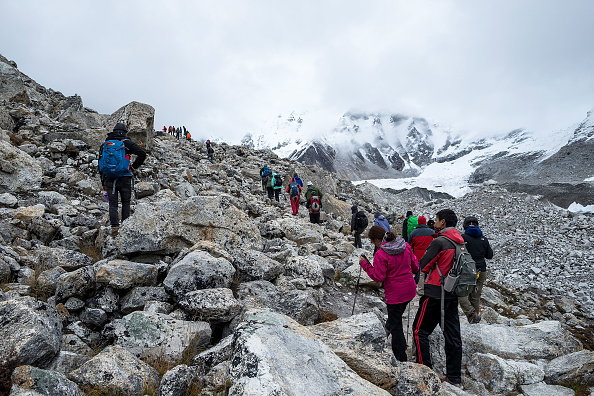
column 399, row 151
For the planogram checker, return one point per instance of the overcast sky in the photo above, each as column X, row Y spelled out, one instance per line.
column 224, row 68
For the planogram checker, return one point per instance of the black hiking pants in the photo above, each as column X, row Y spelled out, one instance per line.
column 358, row 243
column 314, row 217
column 123, row 188
column 427, row 318
column 394, row 326
column 277, row 194
column 270, row 192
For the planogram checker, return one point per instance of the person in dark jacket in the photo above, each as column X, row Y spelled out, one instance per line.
column 480, row 249
column 440, row 254
column 210, row 153
column 313, row 202
column 357, row 224
column 405, row 226
column 121, row 186
column 393, row 266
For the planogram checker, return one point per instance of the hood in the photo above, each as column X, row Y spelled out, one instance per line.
column 354, row 209
column 394, row 247
column 381, row 218
column 119, row 130
column 453, row 234
column 474, row 231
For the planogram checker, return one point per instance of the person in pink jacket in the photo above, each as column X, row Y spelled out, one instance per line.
column 393, row 264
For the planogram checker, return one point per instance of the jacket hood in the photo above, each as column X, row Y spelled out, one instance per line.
column 394, row 247
column 474, row 231
column 381, row 218
column 354, row 209
column 453, row 234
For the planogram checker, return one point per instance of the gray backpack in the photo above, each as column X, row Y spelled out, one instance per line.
column 461, row 280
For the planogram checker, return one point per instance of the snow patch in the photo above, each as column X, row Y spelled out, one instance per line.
column 579, row 208
column 590, row 179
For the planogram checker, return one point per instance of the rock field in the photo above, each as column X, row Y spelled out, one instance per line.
column 209, row 288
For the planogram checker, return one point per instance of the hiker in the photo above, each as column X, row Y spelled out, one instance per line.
column 393, row 264
column 265, row 173
column 382, row 222
column 188, row 136
column 184, row 129
column 209, row 153
column 117, row 173
column 277, row 184
column 177, row 133
column 164, row 129
column 480, row 249
column 405, row 225
column 313, row 197
column 420, row 238
column 440, row 254
column 170, row 130
column 294, row 189
column 208, row 143
column 358, row 224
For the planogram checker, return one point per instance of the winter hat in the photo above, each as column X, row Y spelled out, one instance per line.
column 409, row 213
column 470, row 220
column 120, row 129
column 354, row 208
column 295, row 175
column 309, row 184
column 422, row 220
column 376, row 214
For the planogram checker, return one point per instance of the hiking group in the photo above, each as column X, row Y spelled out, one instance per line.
column 434, row 260
column 272, row 184
column 178, row 132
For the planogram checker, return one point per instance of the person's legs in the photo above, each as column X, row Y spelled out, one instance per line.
column 427, row 317
column 270, row 192
column 358, row 243
column 453, row 341
column 475, row 296
column 112, row 196
column 394, row 326
column 295, row 204
column 312, row 217
column 277, row 194
column 466, row 306
column 125, row 188
column 316, row 218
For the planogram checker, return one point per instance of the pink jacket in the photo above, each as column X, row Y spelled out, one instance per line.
column 394, row 264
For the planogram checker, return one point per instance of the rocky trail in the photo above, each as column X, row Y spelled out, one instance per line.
column 209, row 288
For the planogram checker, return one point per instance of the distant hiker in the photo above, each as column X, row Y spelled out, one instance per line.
column 277, row 185
column 480, row 249
column 313, row 197
column 170, row 130
column 431, row 224
column 164, row 129
column 188, row 136
column 382, row 222
column 208, row 143
column 440, row 254
column 294, row 189
column 393, row 265
column 177, row 133
column 420, row 238
column 265, row 173
column 210, row 153
column 358, row 224
column 184, row 129
column 117, row 173
column 405, row 225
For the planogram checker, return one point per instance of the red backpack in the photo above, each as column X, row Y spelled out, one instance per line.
column 315, row 204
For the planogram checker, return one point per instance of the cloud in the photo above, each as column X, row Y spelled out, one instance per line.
column 226, row 68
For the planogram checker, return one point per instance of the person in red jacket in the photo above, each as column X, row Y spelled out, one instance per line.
column 440, row 254
column 420, row 238
column 393, row 264
column 294, row 189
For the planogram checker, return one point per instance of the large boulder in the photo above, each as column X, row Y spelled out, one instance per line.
column 46, row 382
column 153, row 336
column 275, row 355
column 139, row 118
column 19, row 172
column 198, row 270
column 299, row 305
column 211, row 305
column 169, row 226
column 50, row 257
column 116, row 371
column 254, row 265
column 177, row 381
column 308, row 268
column 136, row 299
column 574, row 369
column 80, row 283
column 300, row 232
column 31, row 334
column 501, row 375
column 542, row 389
column 122, row 274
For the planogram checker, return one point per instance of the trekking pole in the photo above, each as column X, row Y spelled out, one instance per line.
column 356, row 290
column 408, row 324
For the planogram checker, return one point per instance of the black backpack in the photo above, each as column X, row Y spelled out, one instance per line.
column 361, row 220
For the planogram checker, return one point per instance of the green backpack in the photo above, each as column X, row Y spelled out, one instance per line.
column 413, row 222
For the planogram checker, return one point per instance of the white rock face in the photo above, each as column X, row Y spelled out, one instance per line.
column 542, row 389
column 275, row 355
column 123, row 274
column 159, row 336
column 19, row 172
column 116, row 371
column 501, row 375
column 139, row 119
column 307, row 268
column 216, row 305
column 575, row 368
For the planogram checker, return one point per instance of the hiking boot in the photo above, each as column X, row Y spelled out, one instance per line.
column 114, row 231
column 474, row 318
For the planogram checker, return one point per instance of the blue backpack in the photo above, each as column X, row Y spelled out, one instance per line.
column 294, row 189
column 113, row 162
column 266, row 171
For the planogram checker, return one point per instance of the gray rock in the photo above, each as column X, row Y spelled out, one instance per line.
column 572, row 369
column 158, row 336
column 50, row 198
column 137, row 297
column 275, row 355
column 300, row 232
column 211, row 357
column 145, row 189
column 19, row 172
column 122, row 274
column 217, row 379
column 158, row 307
column 79, row 283
column 60, row 257
column 93, row 316
column 177, row 381
column 72, row 343
column 105, row 299
column 28, row 213
column 211, row 305
column 542, row 389
column 139, row 118
column 299, row 305
column 257, row 266
column 30, row 331
column 501, row 375
column 8, row 200
column 116, row 371
column 46, row 382
column 5, row 271
column 68, row 361
column 352, row 273
column 198, row 270
column 170, row 226
column 48, row 280
column 74, row 304
column 307, row 268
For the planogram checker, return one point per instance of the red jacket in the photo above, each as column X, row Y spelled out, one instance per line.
column 394, row 265
column 440, row 252
column 420, row 238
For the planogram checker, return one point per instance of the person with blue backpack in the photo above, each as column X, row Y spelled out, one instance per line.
column 265, row 174
column 117, row 173
column 294, row 189
column 277, row 184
